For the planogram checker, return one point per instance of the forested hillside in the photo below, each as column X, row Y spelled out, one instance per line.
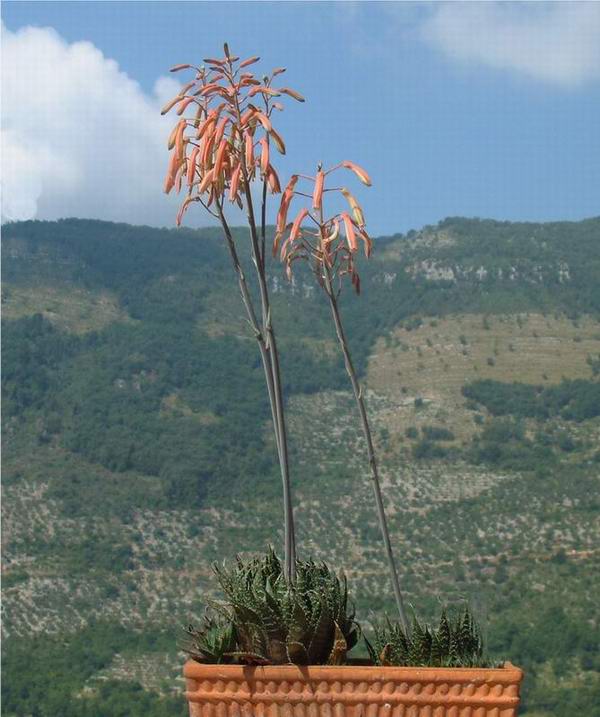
column 137, row 448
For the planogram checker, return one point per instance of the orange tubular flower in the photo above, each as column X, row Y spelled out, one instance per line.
column 178, row 177
column 249, row 61
column 206, row 126
column 170, row 104
column 247, row 116
column 209, row 143
column 206, row 181
column 291, row 93
column 220, row 131
column 220, row 157
column 264, row 120
column 183, row 209
column 171, row 140
column 359, row 171
column 355, row 206
column 183, row 104
column 334, row 234
column 235, row 182
column 318, row 191
column 294, row 232
column 192, row 166
column 187, row 87
column 286, row 200
column 209, row 89
column 297, row 224
column 179, row 138
column 278, row 141
column 350, row 233
column 289, row 189
column 171, row 172
column 264, row 156
column 267, row 91
column 249, row 152
column 368, row 243
column 273, row 180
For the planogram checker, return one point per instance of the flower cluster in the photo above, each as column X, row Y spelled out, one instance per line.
column 219, row 151
column 316, row 239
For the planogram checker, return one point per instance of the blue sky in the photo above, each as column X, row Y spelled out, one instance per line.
column 477, row 109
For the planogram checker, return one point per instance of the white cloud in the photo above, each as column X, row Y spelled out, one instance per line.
column 79, row 137
column 555, row 42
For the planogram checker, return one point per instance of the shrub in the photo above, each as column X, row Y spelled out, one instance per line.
column 426, row 449
column 412, row 432
column 437, row 433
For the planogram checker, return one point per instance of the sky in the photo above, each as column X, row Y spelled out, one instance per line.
column 456, row 109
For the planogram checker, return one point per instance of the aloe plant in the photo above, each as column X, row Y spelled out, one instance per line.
column 267, row 621
column 455, row 642
column 295, row 612
column 213, row 642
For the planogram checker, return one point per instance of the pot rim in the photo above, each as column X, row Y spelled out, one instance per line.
column 507, row 673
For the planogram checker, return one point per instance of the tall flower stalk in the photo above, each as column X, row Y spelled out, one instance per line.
column 216, row 155
column 331, row 254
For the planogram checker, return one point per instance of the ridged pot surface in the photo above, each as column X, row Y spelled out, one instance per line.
column 351, row 691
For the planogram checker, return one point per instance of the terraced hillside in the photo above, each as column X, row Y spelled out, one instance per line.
column 137, row 448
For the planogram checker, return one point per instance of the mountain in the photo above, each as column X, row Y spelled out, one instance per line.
column 137, row 447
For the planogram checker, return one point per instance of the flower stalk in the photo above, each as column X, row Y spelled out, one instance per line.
column 331, row 255
column 213, row 152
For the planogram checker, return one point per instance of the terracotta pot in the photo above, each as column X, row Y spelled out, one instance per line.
column 351, row 691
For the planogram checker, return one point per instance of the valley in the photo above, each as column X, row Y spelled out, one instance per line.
column 137, row 448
